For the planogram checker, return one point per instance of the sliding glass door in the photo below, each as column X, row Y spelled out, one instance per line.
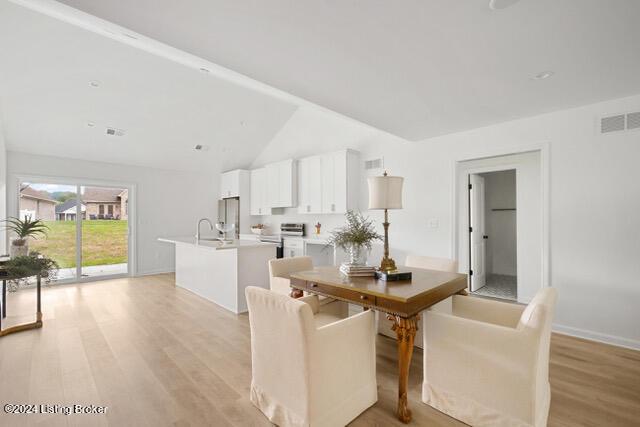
column 55, row 205
column 88, row 227
column 105, row 231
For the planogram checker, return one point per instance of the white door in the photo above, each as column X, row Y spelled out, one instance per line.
column 477, row 232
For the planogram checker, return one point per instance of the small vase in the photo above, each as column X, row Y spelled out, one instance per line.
column 357, row 255
column 18, row 248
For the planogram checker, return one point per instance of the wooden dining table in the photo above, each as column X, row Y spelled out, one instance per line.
column 402, row 301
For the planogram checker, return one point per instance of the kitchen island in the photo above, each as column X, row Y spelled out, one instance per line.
column 220, row 271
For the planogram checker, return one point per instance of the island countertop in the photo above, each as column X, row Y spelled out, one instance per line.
column 215, row 244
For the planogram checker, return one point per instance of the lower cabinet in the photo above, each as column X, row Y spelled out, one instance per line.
column 293, row 247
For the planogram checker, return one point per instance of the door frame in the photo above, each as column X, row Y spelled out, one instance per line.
column 481, row 154
column 14, row 207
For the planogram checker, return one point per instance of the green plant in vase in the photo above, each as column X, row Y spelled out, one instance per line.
column 356, row 237
column 24, row 229
column 25, row 266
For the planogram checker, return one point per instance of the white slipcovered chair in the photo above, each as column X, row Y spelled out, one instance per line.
column 305, row 375
column 487, row 362
column 428, row 263
column 279, row 281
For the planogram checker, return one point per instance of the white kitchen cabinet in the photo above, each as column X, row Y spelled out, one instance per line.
column 310, row 185
column 282, row 184
column 230, row 183
column 259, row 196
column 328, row 183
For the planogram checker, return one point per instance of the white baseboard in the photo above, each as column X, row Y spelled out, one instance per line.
column 597, row 336
column 152, row 272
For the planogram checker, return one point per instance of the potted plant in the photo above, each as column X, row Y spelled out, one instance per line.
column 356, row 237
column 25, row 266
column 24, row 229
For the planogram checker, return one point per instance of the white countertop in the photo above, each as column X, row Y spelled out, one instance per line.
column 215, row 244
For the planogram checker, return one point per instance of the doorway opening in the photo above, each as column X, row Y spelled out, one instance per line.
column 530, row 216
column 493, row 234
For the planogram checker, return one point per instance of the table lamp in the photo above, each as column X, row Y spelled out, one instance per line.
column 385, row 192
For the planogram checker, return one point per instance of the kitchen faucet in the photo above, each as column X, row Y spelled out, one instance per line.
column 198, row 227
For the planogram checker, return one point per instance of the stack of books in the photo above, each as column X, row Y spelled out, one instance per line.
column 352, row 270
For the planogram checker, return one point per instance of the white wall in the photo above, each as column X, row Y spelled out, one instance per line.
column 500, row 193
column 594, row 200
column 168, row 203
column 3, row 188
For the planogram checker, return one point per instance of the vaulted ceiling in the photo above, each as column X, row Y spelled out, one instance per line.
column 49, row 106
column 415, row 68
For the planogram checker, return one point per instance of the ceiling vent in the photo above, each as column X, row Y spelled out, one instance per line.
column 115, row 132
column 620, row 123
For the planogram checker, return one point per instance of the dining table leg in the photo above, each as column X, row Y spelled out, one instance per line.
column 405, row 329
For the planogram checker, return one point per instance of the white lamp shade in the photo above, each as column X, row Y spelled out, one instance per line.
column 385, row 192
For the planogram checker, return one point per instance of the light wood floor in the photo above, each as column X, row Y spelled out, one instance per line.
column 158, row 355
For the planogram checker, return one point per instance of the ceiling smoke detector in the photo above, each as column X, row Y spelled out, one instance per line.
column 543, row 75
column 94, row 83
column 115, row 132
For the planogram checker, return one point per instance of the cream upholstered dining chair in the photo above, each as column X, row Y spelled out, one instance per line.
column 279, row 271
column 487, row 362
column 428, row 263
column 305, row 375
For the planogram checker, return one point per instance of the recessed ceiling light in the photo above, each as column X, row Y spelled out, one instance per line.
column 543, row 75
column 501, row 4
column 94, row 83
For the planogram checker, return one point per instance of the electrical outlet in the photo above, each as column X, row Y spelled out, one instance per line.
column 434, row 223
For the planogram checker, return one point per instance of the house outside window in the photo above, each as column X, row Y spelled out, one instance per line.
column 101, row 209
column 110, row 209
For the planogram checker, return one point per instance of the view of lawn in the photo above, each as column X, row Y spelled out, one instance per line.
column 104, row 242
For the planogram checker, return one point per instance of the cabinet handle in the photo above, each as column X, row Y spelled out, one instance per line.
column 313, row 285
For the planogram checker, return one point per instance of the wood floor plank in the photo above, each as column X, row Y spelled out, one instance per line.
column 159, row 355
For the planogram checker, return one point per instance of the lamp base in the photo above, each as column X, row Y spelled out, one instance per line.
column 388, row 265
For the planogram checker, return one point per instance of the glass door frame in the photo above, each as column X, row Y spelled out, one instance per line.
column 79, row 183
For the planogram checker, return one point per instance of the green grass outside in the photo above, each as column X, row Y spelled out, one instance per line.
column 104, row 242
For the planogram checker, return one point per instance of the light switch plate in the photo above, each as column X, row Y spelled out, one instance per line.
column 434, row 223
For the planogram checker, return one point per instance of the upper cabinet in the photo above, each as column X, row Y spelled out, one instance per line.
column 310, row 185
column 328, row 183
column 259, row 197
column 282, row 184
column 231, row 183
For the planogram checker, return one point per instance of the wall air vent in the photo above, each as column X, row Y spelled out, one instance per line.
column 612, row 124
column 633, row 121
column 620, row 122
column 115, row 132
column 373, row 164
